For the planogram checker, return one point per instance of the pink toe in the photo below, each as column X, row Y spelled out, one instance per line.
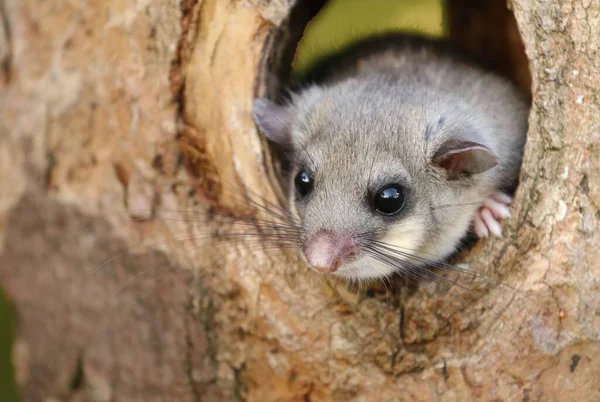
column 502, row 198
column 500, row 211
column 480, row 227
column 491, row 223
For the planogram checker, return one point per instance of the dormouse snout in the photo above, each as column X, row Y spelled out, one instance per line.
column 326, row 251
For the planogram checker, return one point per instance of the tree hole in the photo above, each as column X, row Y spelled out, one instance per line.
column 484, row 30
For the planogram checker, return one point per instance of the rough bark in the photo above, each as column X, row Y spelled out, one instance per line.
column 99, row 99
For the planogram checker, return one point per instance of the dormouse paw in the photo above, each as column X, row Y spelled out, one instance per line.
column 493, row 210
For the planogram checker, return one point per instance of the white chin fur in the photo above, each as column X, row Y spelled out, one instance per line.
column 405, row 237
column 365, row 268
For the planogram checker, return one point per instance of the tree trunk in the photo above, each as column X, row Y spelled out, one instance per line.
column 101, row 101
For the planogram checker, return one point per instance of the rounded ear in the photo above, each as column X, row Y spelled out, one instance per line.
column 460, row 157
column 273, row 120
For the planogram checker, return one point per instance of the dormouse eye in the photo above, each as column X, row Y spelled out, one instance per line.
column 389, row 200
column 303, row 183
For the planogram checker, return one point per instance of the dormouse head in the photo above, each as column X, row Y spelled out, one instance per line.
column 365, row 180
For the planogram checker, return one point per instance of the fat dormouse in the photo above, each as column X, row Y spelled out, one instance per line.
column 399, row 145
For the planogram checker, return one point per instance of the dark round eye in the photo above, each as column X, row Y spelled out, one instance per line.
column 389, row 200
column 303, row 183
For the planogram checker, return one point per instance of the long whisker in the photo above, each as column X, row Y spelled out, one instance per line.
column 410, row 271
column 289, row 234
column 478, row 296
column 444, row 266
column 406, row 270
column 281, row 212
column 434, row 207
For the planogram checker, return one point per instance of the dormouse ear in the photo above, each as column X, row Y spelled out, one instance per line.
column 460, row 157
column 273, row 120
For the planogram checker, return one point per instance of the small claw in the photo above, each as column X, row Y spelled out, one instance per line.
column 500, row 211
column 491, row 223
column 480, row 229
column 493, row 210
column 502, row 198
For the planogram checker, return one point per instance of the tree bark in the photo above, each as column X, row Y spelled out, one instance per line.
column 101, row 101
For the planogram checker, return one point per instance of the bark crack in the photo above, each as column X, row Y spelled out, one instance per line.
column 188, row 361
column 78, row 378
column 189, row 28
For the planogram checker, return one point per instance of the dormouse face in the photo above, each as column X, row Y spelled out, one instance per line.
column 353, row 206
column 362, row 184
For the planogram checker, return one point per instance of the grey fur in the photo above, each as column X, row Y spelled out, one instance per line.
column 381, row 120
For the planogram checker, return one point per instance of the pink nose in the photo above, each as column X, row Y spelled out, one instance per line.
column 326, row 251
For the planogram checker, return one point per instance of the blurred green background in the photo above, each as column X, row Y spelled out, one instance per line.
column 8, row 391
column 340, row 22
column 343, row 21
